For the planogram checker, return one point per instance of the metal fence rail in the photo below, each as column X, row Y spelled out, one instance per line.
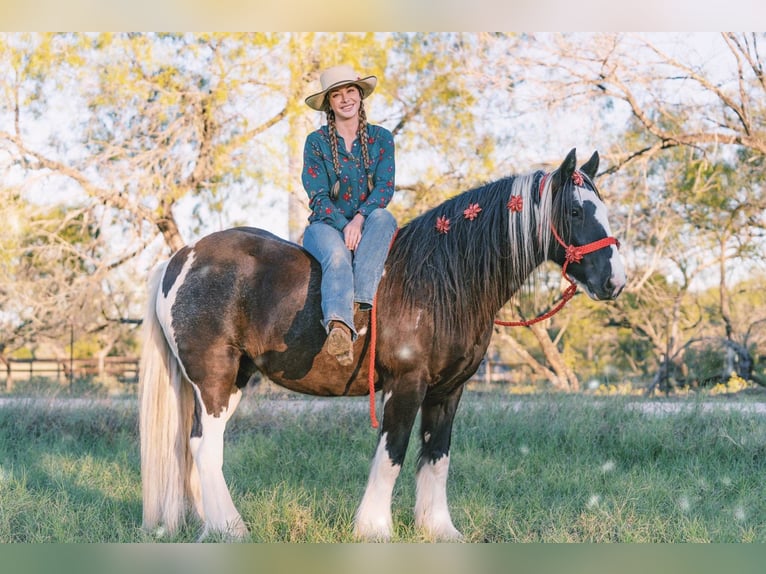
column 124, row 369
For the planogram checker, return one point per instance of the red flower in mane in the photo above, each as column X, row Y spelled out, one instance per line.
column 577, row 178
column 472, row 212
column 516, row 203
column 442, row 224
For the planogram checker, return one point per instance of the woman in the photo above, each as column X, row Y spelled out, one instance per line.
column 348, row 174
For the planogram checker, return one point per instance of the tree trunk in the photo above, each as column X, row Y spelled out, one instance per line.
column 565, row 378
column 169, row 229
column 537, row 368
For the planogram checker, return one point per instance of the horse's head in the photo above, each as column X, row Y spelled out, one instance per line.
column 583, row 242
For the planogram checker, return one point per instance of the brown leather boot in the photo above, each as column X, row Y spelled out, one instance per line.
column 339, row 343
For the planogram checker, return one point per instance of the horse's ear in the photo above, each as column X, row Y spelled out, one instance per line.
column 590, row 167
column 566, row 169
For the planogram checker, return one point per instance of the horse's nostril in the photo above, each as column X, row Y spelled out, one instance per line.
column 614, row 287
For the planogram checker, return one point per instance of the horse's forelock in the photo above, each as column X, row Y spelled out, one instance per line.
column 526, row 227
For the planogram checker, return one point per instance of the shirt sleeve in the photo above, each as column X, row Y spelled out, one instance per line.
column 383, row 175
column 316, row 182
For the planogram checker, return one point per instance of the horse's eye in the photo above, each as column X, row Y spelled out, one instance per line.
column 576, row 212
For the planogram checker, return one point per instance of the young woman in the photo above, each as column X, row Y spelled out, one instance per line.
column 348, row 174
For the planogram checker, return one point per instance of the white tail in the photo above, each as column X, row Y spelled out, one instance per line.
column 166, row 404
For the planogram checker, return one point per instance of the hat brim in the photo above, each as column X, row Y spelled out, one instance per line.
column 366, row 85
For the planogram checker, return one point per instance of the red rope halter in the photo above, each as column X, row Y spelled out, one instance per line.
column 572, row 254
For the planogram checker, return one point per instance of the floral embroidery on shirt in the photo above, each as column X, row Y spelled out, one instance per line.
column 319, row 176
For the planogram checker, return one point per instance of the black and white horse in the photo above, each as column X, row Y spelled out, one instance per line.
column 243, row 300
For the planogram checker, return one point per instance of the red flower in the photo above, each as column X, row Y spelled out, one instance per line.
column 472, row 212
column 577, row 177
column 442, row 224
column 312, row 171
column 516, row 203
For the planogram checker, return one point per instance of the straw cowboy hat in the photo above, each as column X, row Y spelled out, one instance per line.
column 336, row 77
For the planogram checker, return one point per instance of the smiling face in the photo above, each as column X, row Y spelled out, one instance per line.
column 344, row 101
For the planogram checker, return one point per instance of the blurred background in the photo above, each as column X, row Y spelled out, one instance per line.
column 116, row 149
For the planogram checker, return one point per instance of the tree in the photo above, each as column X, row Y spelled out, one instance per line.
column 150, row 121
column 147, row 121
column 695, row 123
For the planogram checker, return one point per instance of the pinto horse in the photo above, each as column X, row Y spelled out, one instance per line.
column 243, row 300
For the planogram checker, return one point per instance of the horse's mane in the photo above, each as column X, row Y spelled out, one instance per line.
column 466, row 274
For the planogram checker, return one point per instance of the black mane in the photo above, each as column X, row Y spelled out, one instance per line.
column 466, row 274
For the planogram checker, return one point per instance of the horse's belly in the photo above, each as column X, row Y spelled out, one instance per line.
column 326, row 377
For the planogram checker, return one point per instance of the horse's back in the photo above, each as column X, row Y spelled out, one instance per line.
column 240, row 244
column 247, row 299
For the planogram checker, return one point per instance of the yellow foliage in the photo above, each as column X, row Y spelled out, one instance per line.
column 733, row 385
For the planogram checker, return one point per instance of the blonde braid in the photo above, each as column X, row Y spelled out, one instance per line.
column 335, row 191
column 362, row 134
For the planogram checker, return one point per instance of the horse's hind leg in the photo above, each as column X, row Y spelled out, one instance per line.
column 373, row 517
column 431, row 510
column 215, row 406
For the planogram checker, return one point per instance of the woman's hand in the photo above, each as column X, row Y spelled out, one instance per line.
column 352, row 233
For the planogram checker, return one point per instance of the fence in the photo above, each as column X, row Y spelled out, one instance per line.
column 123, row 369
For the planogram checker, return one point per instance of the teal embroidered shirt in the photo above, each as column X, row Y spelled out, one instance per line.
column 319, row 176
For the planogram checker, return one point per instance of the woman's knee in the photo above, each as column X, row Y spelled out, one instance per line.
column 381, row 218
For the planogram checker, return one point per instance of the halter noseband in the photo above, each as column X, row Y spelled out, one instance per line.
column 572, row 254
column 575, row 253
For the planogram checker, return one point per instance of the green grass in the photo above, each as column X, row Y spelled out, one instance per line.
column 557, row 469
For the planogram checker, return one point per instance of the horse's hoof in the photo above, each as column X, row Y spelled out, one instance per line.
column 339, row 344
column 233, row 532
column 373, row 530
column 440, row 531
column 372, row 534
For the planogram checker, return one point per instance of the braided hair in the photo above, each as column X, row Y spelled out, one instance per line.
column 361, row 133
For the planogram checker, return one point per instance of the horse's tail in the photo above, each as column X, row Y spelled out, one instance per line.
column 166, row 404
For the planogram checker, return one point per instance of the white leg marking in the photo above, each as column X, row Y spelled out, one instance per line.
column 373, row 518
column 431, row 510
column 220, row 513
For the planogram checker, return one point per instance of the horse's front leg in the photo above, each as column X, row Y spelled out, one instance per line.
column 432, row 514
column 401, row 402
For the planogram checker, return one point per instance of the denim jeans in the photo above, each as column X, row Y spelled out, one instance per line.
column 350, row 277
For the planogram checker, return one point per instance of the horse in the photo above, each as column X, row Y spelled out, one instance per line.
column 242, row 301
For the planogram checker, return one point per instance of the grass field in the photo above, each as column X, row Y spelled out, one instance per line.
column 537, row 469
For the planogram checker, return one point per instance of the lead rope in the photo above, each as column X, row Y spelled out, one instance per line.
column 373, row 343
column 371, row 372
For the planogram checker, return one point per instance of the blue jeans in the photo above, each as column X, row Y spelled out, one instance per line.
column 350, row 277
